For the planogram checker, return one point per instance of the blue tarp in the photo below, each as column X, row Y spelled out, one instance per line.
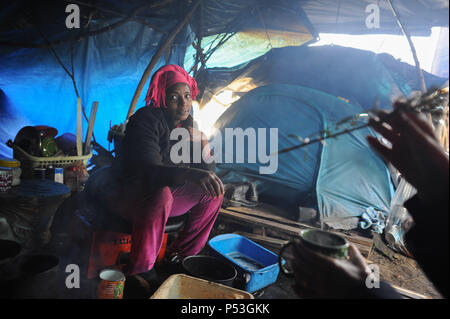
column 302, row 90
column 342, row 177
column 360, row 76
column 35, row 90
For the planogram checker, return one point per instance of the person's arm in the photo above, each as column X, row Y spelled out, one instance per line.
column 415, row 152
column 140, row 153
column 428, row 240
column 143, row 155
column 421, row 160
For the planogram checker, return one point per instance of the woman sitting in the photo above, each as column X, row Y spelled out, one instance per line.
column 151, row 188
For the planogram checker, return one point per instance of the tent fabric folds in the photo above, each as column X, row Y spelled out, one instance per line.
column 341, row 177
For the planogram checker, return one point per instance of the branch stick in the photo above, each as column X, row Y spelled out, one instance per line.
column 319, row 139
column 413, row 49
column 156, row 57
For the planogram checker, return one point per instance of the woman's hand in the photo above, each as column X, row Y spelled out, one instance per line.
column 415, row 152
column 197, row 136
column 209, row 181
column 318, row 276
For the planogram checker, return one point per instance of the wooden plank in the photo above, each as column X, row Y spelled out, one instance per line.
column 273, row 233
column 294, row 231
column 264, row 239
column 79, row 130
column 365, row 246
column 258, row 213
column 87, row 143
column 293, row 227
column 409, row 293
column 155, row 58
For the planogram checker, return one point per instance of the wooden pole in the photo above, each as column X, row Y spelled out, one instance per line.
column 156, row 57
column 79, row 129
column 87, row 143
column 413, row 49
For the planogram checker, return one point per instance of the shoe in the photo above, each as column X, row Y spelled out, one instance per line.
column 252, row 194
column 240, row 194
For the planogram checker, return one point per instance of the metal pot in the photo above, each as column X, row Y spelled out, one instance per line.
column 210, row 268
column 39, row 277
column 9, row 274
column 8, row 250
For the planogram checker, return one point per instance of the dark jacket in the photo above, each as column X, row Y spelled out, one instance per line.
column 428, row 240
column 144, row 153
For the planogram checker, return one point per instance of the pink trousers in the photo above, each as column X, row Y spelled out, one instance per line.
column 149, row 217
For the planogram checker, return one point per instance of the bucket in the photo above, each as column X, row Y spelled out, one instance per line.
column 9, row 273
column 111, row 285
column 8, row 250
column 210, row 268
column 39, row 276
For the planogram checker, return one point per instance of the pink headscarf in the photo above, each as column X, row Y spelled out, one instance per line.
column 163, row 79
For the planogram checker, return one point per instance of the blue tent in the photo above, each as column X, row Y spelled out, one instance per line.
column 304, row 91
column 341, row 177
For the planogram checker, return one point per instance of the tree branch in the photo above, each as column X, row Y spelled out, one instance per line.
column 411, row 44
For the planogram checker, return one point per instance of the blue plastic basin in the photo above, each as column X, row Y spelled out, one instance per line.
column 249, row 257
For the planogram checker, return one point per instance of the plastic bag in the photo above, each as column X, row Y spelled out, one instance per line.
column 399, row 220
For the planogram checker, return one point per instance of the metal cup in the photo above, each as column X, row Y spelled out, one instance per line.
column 111, row 285
column 326, row 243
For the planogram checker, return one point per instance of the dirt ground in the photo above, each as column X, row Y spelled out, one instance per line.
column 395, row 268
column 403, row 272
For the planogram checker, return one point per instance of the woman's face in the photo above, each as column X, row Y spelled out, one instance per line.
column 178, row 102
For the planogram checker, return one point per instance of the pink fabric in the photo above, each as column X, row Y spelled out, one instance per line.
column 149, row 218
column 163, row 79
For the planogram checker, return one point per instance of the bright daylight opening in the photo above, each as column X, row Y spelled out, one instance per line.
column 396, row 45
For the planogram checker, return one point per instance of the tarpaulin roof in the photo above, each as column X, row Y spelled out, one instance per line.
column 125, row 36
column 330, row 69
column 117, row 39
column 303, row 91
column 349, row 16
column 218, row 16
column 36, row 90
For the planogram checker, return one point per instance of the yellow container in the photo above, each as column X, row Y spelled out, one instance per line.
column 182, row 286
column 14, row 165
column 9, row 162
